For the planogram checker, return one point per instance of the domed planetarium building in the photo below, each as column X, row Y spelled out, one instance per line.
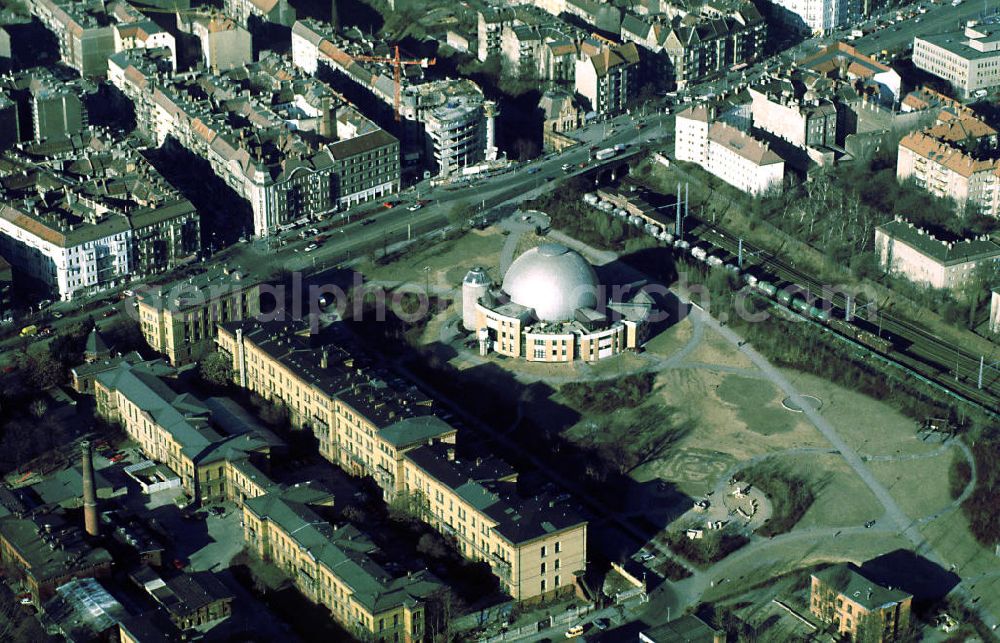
column 551, row 308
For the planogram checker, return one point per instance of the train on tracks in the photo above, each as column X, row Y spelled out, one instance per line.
column 788, row 295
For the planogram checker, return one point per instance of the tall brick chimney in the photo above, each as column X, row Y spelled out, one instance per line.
column 90, row 521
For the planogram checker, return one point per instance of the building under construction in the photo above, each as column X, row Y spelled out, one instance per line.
column 443, row 125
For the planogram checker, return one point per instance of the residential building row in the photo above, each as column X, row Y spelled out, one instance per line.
column 608, row 76
column 958, row 158
column 334, row 565
column 88, row 33
column 968, row 59
column 285, row 142
column 824, row 16
column 689, row 44
column 444, row 125
column 916, row 254
column 736, row 157
column 372, row 424
column 94, row 222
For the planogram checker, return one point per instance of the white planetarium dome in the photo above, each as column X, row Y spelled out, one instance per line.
column 553, row 280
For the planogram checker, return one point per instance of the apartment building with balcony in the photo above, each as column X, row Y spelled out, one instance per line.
column 609, row 77
column 957, row 158
column 179, row 319
column 916, row 254
column 535, row 546
column 334, row 565
column 268, row 132
column 207, row 444
column 81, row 225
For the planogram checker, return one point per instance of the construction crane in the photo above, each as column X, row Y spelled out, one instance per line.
column 397, row 67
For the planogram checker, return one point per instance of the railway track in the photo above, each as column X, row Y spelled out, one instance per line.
column 947, row 365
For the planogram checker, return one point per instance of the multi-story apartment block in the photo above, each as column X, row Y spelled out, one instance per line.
column 84, row 32
column 535, row 44
column 89, row 32
column 225, row 44
column 968, row 59
column 269, row 134
column 56, row 111
column 489, row 30
column 42, row 107
column 246, row 12
column 333, row 566
column 916, row 254
column 957, row 158
column 445, row 125
column 686, row 47
column 802, row 119
column 603, row 16
column 66, row 256
column 608, row 78
column 729, row 153
column 179, row 320
column 371, row 424
column 534, row 546
column 823, row 16
column 214, row 448
column 98, row 223
column 743, row 162
column 856, row 605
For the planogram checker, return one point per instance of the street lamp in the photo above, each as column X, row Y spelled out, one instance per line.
column 427, row 281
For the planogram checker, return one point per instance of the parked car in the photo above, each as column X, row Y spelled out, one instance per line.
column 602, row 623
column 311, row 247
column 575, row 631
column 414, row 207
column 368, row 222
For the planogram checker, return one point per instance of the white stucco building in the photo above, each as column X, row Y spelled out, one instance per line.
column 69, row 260
column 727, row 152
